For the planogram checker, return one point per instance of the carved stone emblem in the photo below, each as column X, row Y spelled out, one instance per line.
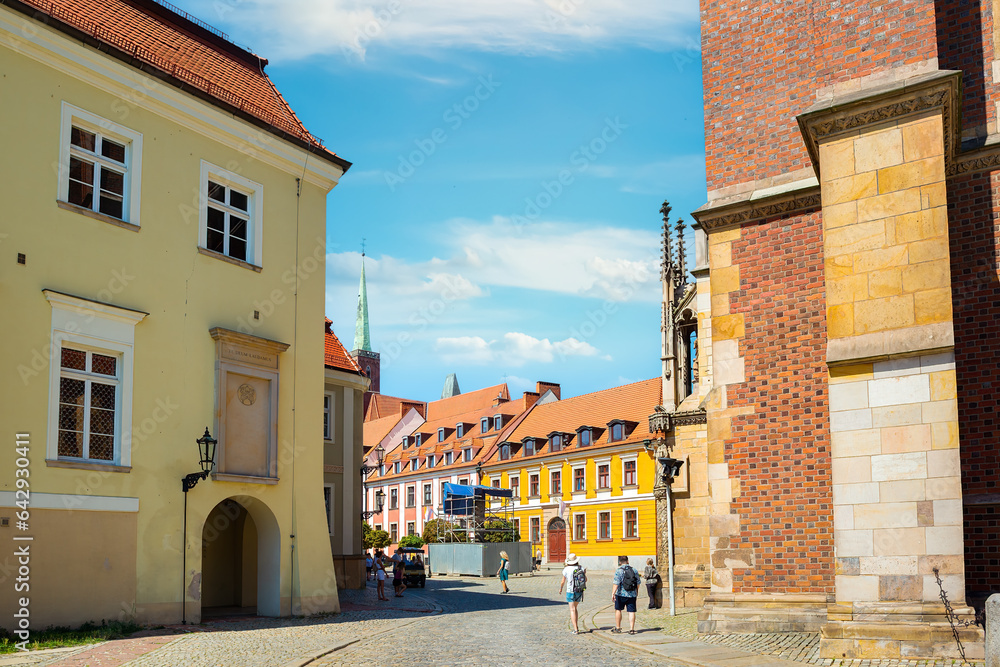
column 246, row 394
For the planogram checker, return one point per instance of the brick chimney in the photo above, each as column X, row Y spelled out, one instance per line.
column 420, row 407
column 529, row 399
column 542, row 387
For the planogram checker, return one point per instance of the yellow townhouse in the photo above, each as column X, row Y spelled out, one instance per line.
column 582, row 476
column 162, row 275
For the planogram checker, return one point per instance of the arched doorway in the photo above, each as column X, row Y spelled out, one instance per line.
column 557, row 540
column 240, row 560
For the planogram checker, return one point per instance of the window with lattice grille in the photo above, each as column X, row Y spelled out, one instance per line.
column 89, row 400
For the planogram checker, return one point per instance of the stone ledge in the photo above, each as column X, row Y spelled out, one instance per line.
column 880, row 346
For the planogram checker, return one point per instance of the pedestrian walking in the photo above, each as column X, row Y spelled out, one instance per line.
column 652, row 578
column 503, row 571
column 398, row 567
column 369, row 563
column 380, row 575
column 574, row 579
column 624, row 594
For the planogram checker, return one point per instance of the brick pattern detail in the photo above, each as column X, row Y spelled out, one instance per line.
column 974, row 210
column 780, row 454
column 796, row 47
column 965, row 43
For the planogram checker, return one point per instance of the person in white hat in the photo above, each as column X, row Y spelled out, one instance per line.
column 574, row 578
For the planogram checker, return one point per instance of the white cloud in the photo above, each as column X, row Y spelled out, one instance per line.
column 514, row 349
column 355, row 27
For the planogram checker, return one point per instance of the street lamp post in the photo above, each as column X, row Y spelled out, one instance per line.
column 365, row 471
column 206, row 453
column 669, row 470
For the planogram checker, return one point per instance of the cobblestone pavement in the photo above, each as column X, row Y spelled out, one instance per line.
column 481, row 626
column 798, row 646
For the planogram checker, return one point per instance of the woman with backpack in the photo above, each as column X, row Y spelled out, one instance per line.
column 503, row 571
column 574, row 578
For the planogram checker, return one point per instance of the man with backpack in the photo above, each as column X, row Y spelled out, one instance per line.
column 624, row 594
column 574, row 578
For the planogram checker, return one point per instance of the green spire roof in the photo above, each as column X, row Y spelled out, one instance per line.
column 362, row 338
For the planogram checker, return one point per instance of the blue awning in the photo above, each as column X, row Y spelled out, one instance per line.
column 459, row 499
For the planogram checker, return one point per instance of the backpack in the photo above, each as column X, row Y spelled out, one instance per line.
column 579, row 580
column 630, row 580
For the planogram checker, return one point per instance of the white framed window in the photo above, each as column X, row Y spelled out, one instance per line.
column 515, row 486
column 535, row 526
column 414, row 464
column 393, row 499
column 630, row 523
column 555, row 482
column 629, row 472
column 584, row 438
column 529, row 447
column 394, row 533
column 90, row 382
column 497, row 422
column 328, row 496
column 411, row 528
column 327, row 417
column 533, row 484
column 411, row 496
column 448, row 458
column 430, row 461
column 467, row 454
column 555, row 442
column 99, row 165
column 459, row 430
column 440, row 434
column 579, row 479
column 484, row 424
column 580, row 527
column 417, row 439
column 230, row 215
column 427, row 494
column 604, row 476
column 464, row 481
column 604, row 525
column 617, row 432
column 398, row 467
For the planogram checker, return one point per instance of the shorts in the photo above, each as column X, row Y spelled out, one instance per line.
column 380, row 575
column 574, row 597
column 624, row 604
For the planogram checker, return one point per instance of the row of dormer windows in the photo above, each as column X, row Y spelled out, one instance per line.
column 557, row 440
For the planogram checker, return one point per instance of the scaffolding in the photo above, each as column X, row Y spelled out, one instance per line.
column 476, row 514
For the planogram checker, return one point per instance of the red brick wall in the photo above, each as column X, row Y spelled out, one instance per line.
column 974, row 209
column 965, row 42
column 781, row 453
column 763, row 62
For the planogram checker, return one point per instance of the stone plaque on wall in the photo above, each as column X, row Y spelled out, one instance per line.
column 247, row 407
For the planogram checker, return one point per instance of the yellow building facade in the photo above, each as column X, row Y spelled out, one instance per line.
column 582, row 475
column 137, row 319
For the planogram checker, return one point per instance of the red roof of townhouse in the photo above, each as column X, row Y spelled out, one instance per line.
column 166, row 42
column 473, row 400
column 334, row 354
column 374, row 431
column 383, row 405
column 630, row 403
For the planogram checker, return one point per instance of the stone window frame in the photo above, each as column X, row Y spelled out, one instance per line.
column 411, row 495
column 428, row 489
column 394, row 498
column 328, row 416
column 255, row 225
column 411, row 528
column 580, row 468
column 535, row 529
column 633, row 458
column 394, row 532
column 267, row 368
column 555, row 480
column 514, row 482
column 100, row 327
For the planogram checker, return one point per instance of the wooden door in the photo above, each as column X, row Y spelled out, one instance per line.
column 557, row 540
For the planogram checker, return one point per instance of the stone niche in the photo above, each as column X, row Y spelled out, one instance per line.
column 246, row 407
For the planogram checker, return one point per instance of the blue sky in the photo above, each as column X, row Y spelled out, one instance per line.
column 509, row 163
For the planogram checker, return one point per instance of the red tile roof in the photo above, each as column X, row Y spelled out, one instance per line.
column 158, row 38
column 375, row 430
column 383, row 405
column 631, row 403
column 469, row 402
column 335, row 356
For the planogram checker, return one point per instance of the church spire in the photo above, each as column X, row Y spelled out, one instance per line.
column 362, row 337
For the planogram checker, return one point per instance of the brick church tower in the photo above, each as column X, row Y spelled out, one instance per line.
column 853, row 168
